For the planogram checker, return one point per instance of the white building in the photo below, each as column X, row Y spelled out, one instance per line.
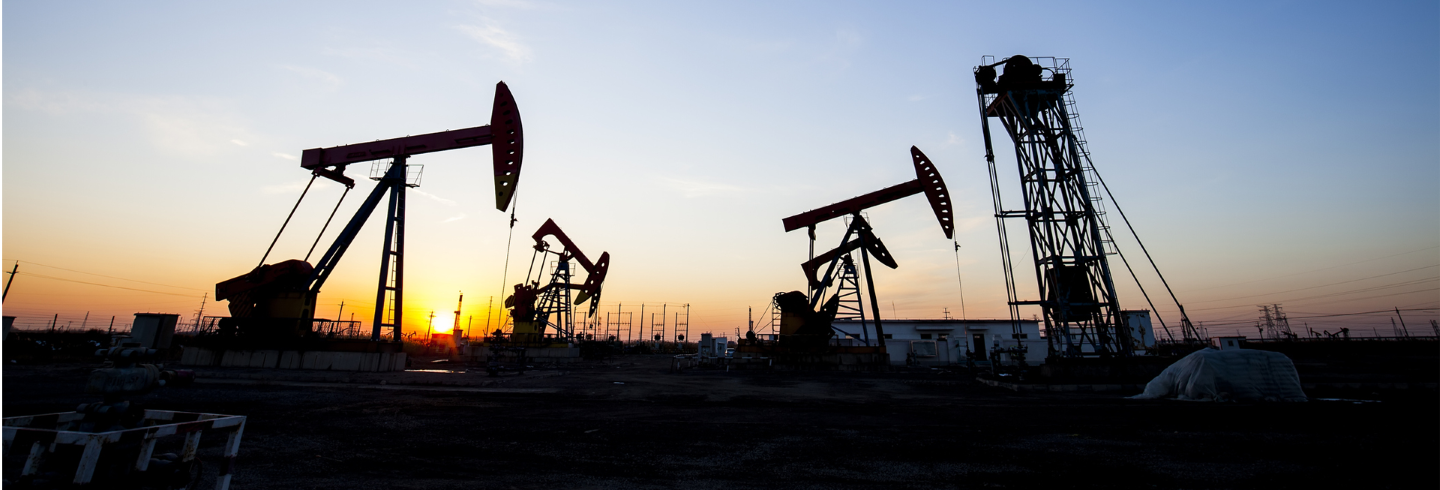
column 952, row 341
column 949, row 342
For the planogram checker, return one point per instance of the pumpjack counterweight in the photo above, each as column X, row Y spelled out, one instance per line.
column 1077, row 293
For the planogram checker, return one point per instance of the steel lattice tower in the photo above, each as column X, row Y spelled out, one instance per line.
column 851, row 308
column 556, row 300
column 1067, row 239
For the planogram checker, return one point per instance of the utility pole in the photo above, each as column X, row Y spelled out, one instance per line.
column 457, row 314
column 489, row 306
column 430, row 326
column 200, row 315
column 13, row 270
column 1403, row 328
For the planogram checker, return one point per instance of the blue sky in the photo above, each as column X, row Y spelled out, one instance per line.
column 1267, row 152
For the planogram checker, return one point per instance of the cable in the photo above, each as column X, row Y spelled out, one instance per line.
column 111, row 277
column 287, row 220
column 1184, row 319
column 505, row 275
column 1125, row 261
column 1341, row 293
column 1318, row 270
column 1331, row 284
column 327, row 224
column 31, row 274
column 958, row 279
column 1315, row 316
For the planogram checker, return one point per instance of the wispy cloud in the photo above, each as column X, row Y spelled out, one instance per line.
column 694, row 188
column 454, row 218
column 240, row 143
column 285, row 156
column 520, row 4
column 187, row 126
column 375, row 53
column 491, row 34
column 845, row 42
column 954, row 139
column 916, row 98
column 438, row 199
column 327, row 80
column 286, row 188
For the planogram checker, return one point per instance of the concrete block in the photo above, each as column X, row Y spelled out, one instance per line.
column 195, row 356
column 289, row 360
column 345, row 361
column 235, row 358
column 315, row 360
column 264, row 358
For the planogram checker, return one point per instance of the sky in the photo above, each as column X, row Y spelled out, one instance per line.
column 1265, row 152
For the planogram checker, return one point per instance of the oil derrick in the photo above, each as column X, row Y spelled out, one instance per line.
column 1067, row 237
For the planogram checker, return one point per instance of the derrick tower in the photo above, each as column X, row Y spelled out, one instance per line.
column 1067, row 235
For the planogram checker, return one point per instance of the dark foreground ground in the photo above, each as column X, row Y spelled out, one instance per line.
column 581, row 428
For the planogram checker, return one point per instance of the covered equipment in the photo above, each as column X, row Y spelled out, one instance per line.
column 1216, row 375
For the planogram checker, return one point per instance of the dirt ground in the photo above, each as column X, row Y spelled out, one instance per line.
column 630, row 423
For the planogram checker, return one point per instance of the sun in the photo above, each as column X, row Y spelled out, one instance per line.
column 444, row 322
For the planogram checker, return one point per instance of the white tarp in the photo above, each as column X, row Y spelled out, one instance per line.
column 1240, row 374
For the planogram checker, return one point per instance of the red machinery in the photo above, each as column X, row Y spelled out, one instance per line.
column 277, row 301
column 532, row 305
column 799, row 317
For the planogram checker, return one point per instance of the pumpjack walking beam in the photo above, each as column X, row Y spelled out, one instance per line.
column 505, row 136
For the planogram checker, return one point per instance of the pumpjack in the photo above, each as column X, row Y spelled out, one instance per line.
column 542, row 314
column 275, row 303
column 807, row 319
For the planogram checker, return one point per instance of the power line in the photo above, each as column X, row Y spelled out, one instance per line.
column 1316, row 316
column 1331, row 284
column 31, row 274
column 112, row 277
column 1341, row 293
column 1317, row 270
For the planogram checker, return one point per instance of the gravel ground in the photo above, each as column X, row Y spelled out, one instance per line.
column 629, row 423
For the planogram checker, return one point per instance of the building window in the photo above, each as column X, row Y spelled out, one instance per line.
column 889, row 336
column 924, row 336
